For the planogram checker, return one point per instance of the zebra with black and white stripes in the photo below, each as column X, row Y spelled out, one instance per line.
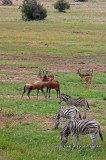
column 80, row 101
column 81, row 127
column 68, row 113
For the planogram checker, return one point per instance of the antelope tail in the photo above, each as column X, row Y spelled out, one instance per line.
column 24, row 91
column 24, row 88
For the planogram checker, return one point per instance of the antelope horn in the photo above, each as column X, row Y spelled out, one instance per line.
column 40, row 72
column 43, row 72
column 46, row 72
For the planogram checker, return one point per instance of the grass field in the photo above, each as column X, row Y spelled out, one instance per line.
column 62, row 43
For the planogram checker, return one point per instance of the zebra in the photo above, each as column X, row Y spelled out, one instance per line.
column 80, row 101
column 81, row 127
column 66, row 112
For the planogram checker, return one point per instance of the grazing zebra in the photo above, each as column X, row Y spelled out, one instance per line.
column 82, row 127
column 68, row 113
column 80, row 101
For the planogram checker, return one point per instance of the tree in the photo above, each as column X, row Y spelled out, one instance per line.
column 61, row 5
column 7, row 2
column 31, row 10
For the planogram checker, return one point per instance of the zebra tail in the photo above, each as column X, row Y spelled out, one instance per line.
column 88, row 105
column 100, row 134
column 79, row 114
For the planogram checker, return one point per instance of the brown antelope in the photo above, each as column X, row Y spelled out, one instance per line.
column 35, row 85
column 87, row 77
column 45, row 77
column 53, row 84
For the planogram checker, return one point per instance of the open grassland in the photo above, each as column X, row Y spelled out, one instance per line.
column 80, row 30
column 62, row 43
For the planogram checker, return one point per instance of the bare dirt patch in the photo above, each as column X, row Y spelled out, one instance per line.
column 7, row 120
column 46, row 123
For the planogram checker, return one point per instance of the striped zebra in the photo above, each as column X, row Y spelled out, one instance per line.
column 81, row 127
column 68, row 113
column 80, row 101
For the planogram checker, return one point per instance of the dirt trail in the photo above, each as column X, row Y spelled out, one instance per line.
column 55, row 63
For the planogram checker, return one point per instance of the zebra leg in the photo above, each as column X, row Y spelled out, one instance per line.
column 94, row 140
column 62, row 122
column 75, row 139
column 67, row 120
column 57, row 119
column 56, row 123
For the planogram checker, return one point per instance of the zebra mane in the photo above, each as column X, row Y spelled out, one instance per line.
column 65, row 95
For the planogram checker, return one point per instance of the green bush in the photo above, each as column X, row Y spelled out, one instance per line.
column 7, row 2
column 81, row 0
column 31, row 10
column 61, row 5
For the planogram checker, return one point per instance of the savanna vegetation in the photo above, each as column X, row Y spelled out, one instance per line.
column 62, row 43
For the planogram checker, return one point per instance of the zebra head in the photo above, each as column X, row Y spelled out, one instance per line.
column 60, row 99
column 63, row 97
column 64, row 135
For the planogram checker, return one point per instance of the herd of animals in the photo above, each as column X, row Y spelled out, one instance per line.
column 73, row 125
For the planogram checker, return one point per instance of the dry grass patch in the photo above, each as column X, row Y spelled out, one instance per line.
column 7, row 119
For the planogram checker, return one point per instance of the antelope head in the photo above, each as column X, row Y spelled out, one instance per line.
column 78, row 71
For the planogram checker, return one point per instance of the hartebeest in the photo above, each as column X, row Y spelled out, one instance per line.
column 53, row 84
column 35, row 85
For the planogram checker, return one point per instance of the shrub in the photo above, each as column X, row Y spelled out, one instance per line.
column 61, row 5
column 7, row 2
column 31, row 10
column 81, row 0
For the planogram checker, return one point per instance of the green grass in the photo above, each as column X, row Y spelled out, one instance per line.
column 61, row 31
column 25, row 141
column 70, row 83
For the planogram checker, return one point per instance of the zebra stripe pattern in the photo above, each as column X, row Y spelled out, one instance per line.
column 80, row 101
column 81, row 127
column 68, row 113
